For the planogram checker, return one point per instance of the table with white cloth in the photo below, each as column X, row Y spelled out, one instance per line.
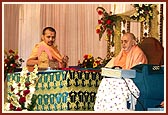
column 114, row 93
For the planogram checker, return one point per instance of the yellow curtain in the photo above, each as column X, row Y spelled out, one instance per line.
column 154, row 24
column 117, row 38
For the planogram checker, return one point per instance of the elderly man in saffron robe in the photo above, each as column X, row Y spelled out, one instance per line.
column 47, row 45
column 113, row 93
column 130, row 54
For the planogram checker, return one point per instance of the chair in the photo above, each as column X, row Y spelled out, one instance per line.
column 150, row 77
column 153, row 50
column 150, row 81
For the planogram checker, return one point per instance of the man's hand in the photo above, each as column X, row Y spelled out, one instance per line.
column 162, row 104
column 65, row 59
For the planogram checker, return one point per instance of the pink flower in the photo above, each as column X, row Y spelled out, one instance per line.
column 11, row 107
column 11, row 70
column 108, row 22
column 14, row 65
column 22, row 100
column 16, row 57
column 27, row 84
column 25, row 92
column 11, row 51
column 18, row 94
column 109, row 32
column 100, row 12
column 99, row 22
column 85, row 56
column 79, row 62
column 18, row 109
column 104, row 27
column 98, row 62
column 12, row 88
column 6, row 60
column 19, row 84
column 98, row 31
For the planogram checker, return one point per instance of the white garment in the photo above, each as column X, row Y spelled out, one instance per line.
column 113, row 94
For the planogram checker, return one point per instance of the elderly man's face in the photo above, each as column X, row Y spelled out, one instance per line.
column 49, row 37
column 126, row 42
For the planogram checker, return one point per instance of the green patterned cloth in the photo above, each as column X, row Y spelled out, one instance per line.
column 62, row 90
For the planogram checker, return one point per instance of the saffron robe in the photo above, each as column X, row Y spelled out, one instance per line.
column 52, row 52
column 134, row 57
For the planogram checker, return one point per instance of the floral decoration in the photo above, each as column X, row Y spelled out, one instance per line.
column 143, row 12
column 106, row 23
column 90, row 62
column 21, row 94
column 11, row 61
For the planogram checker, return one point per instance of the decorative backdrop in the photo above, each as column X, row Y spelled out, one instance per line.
column 75, row 25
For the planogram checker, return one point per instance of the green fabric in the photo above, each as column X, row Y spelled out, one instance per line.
column 73, row 90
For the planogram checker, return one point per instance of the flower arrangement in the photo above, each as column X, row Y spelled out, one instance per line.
column 106, row 23
column 90, row 62
column 143, row 12
column 11, row 61
column 21, row 94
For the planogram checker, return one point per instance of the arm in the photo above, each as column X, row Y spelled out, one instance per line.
column 162, row 104
column 54, row 52
column 63, row 59
column 33, row 58
column 32, row 62
column 135, row 57
column 140, row 58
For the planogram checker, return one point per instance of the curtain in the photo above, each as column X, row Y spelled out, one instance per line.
column 11, row 27
column 29, row 29
column 75, row 25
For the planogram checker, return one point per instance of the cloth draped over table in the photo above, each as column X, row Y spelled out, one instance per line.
column 113, row 94
column 69, row 89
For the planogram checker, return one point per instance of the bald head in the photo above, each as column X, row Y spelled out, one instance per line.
column 130, row 35
column 127, row 41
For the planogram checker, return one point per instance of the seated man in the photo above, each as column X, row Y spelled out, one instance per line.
column 130, row 54
column 45, row 52
column 113, row 93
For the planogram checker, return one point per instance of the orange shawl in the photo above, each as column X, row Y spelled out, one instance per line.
column 134, row 57
column 53, row 51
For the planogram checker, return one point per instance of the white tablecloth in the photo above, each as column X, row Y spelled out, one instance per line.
column 113, row 94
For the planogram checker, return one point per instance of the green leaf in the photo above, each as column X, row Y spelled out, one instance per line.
column 33, row 103
column 100, row 36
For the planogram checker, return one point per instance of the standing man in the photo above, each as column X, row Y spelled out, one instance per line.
column 47, row 45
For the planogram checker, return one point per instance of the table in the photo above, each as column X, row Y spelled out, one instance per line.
column 68, row 89
column 113, row 94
